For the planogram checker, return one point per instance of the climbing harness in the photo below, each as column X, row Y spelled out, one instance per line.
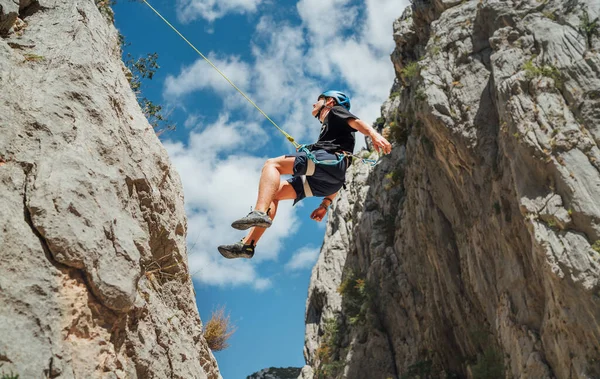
column 328, row 162
column 287, row 136
column 332, row 162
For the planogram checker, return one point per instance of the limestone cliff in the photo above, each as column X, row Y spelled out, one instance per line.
column 93, row 265
column 276, row 373
column 473, row 250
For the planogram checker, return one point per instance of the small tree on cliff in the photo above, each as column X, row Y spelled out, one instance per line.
column 145, row 68
column 139, row 69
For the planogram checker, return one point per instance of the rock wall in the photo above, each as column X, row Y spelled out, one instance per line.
column 93, row 265
column 476, row 244
column 276, row 373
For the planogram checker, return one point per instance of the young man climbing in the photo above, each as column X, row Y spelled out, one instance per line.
column 325, row 179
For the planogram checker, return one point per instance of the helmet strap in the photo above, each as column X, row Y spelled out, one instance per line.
column 324, row 106
column 318, row 115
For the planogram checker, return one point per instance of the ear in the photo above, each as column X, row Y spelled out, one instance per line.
column 331, row 102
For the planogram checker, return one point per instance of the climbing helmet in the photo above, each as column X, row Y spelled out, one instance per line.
column 341, row 98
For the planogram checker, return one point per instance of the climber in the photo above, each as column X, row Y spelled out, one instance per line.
column 332, row 109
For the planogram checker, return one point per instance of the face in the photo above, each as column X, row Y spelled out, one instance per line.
column 316, row 106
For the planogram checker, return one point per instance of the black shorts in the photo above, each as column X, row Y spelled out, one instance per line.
column 310, row 179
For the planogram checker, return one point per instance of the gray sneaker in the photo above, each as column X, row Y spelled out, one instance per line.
column 237, row 250
column 254, row 218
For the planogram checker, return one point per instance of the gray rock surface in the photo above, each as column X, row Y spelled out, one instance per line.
column 276, row 373
column 93, row 265
column 479, row 236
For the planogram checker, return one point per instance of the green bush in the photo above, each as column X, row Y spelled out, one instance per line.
column 145, row 68
column 105, row 8
column 589, row 28
column 330, row 370
column 356, row 298
column 141, row 68
column 596, row 246
column 549, row 71
column 398, row 133
column 420, row 94
column 435, row 50
column 327, row 354
column 549, row 15
column 396, row 177
column 410, row 71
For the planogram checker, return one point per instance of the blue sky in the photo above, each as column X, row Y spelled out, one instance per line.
column 282, row 55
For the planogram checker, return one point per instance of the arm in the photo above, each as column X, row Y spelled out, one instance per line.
column 380, row 143
column 320, row 212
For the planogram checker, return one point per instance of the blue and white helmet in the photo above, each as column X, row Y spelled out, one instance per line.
column 340, row 97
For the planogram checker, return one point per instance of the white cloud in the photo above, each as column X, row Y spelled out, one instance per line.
column 280, row 82
column 191, row 120
column 210, row 10
column 326, row 19
column 201, row 76
column 304, row 258
column 362, row 61
column 220, row 185
column 378, row 27
column 223, row 272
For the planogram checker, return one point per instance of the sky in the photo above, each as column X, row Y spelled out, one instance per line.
column 282, row 55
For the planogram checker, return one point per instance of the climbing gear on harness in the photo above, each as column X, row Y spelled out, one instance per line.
column 254, row 218
column 238, row 250
column 332, row 162
column 341, row 98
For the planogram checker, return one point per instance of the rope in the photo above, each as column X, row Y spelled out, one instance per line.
column 298, row 147
column 289, row 137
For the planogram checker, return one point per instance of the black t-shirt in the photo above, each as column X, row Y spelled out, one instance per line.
column 336, row 134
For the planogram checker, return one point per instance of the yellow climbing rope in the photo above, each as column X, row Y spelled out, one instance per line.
column 289, row 137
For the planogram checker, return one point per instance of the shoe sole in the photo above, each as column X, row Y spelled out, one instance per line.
column 229, row 255
column 243, row 225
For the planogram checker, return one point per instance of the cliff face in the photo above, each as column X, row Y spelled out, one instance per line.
column 276, row 373
column 93, row 265
column 473, row 249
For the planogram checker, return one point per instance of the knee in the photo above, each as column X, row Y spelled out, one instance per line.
column 272, row 163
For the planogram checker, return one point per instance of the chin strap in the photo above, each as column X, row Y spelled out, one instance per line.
column 318, row 115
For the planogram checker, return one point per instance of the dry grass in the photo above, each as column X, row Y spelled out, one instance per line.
column 218, row 330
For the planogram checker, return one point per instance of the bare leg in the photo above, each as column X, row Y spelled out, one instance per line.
column 285, row 192
column 270, row 180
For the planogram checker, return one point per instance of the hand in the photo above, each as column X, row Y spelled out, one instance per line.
column 318, row 214
column 381, row 144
